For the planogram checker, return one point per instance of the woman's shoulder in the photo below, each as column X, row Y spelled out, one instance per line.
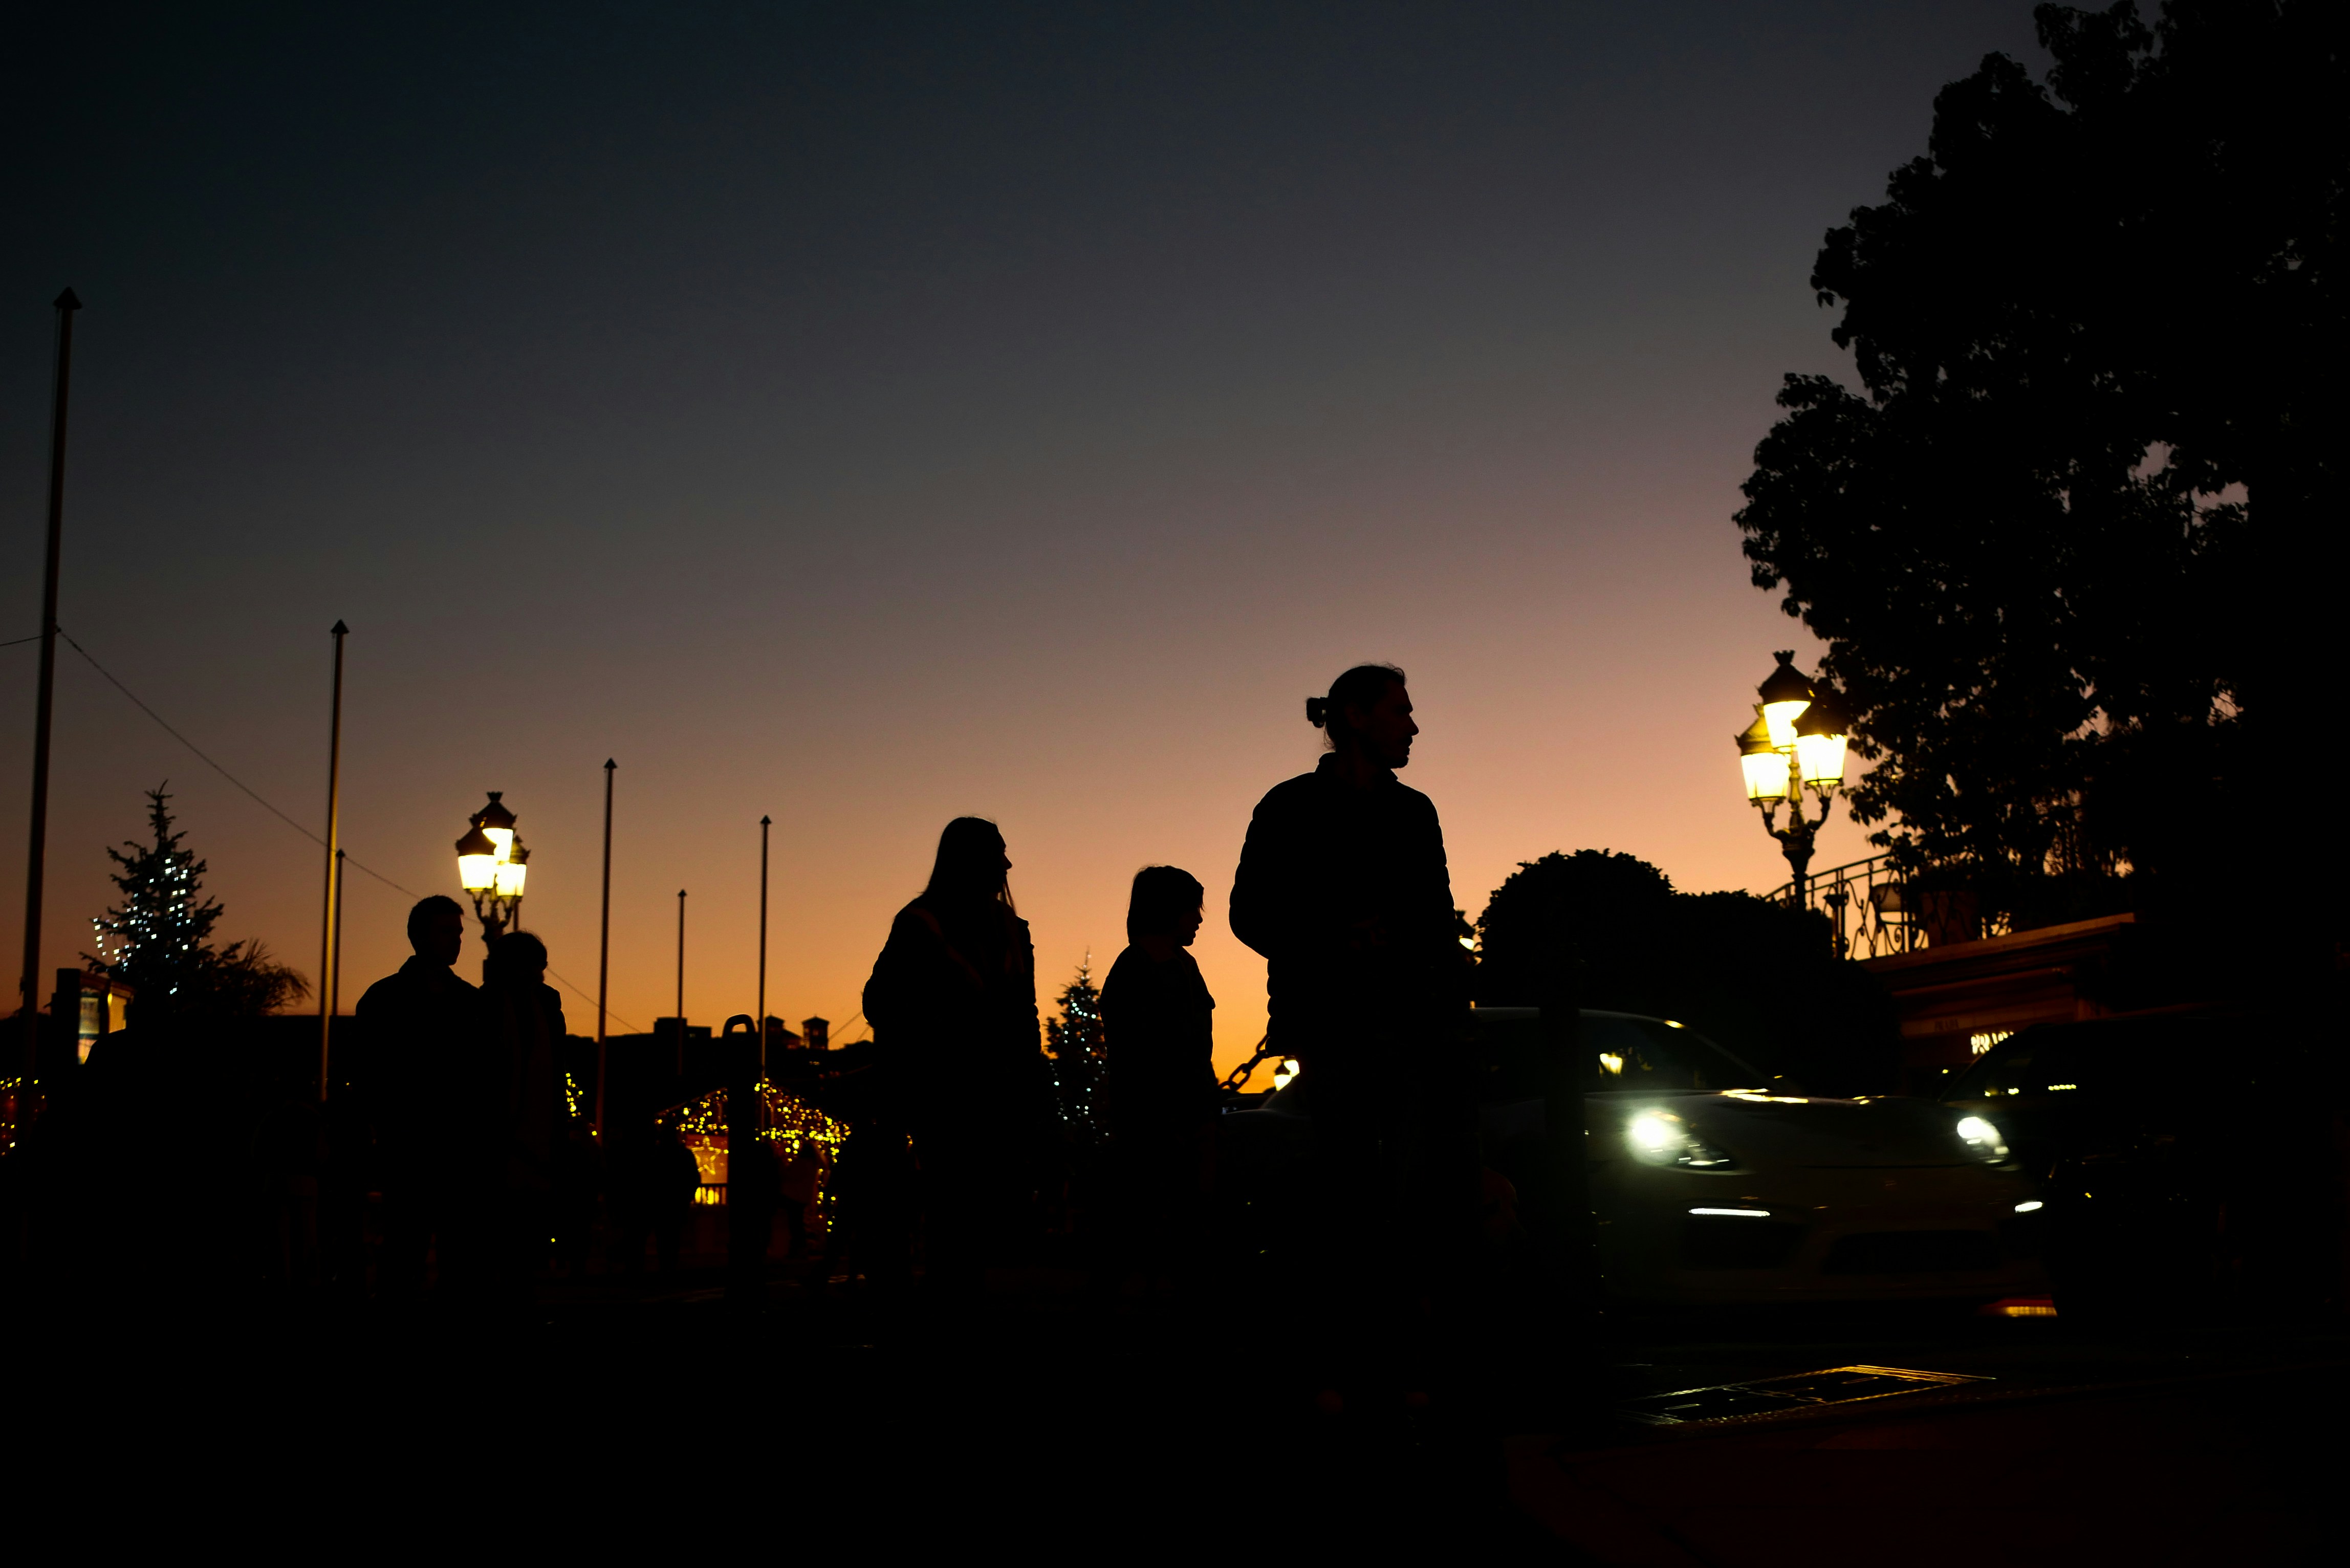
column 1129, row 966
column 915, row 916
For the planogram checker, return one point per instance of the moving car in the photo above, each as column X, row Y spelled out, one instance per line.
column 2191, row 1157
column 1710, row 1182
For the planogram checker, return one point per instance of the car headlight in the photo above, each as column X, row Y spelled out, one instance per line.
column 1982, row 1140
column 1660, row 1137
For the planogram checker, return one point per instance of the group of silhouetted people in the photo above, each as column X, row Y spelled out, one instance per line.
column 481, row 1153
column 1342, row 885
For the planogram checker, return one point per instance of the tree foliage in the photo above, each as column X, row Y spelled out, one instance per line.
column 1756, row 975
column 1074, row 1047
column 158, row 940
column 2098, row 327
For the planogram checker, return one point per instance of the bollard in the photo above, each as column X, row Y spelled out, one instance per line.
column 749, row 1214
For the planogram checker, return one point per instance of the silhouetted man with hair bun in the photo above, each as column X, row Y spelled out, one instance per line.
column 1343, row 887
column 415, row 1030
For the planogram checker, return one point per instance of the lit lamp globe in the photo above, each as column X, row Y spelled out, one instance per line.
column 498, row 822
column 512, row 870
column 1768, row 778
column 477, row 860
column 1820, row 742
column 1785, row 694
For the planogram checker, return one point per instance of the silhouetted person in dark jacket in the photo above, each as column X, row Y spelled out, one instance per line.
column 416, row 1030
column 1157, row 1022
column 522, row 1145
column 673, row 1181
column 1343, row 888
column 952, row 1002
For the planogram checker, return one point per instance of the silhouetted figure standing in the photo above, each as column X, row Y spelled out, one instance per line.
column 523, row 1149
column 416, row 1034
column 1343, row 888
column 952, row 1002
column 1158, row 1021
column 803, row 1179
column 661, row 1180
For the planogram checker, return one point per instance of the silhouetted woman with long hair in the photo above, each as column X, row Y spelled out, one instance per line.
column 953, row 1002
column 1343, row 887
column 1158, row 1035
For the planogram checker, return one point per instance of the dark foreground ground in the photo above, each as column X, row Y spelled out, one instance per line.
column 658, row 1417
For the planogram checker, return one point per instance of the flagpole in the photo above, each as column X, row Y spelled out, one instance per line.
column 604, row 950
column 327, row 957
column 43, row 710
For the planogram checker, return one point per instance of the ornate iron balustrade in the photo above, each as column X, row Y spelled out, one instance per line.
column 1872, row 910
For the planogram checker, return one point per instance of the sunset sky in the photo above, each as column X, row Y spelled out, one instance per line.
column 867, row 414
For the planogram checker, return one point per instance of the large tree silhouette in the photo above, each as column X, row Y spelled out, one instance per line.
column 1754, row 974
column 2059, row 547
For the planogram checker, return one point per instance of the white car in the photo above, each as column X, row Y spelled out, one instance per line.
column 1710, row 1183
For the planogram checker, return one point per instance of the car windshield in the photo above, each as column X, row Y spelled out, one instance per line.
column 1620, row 1051
column 2124, row 1059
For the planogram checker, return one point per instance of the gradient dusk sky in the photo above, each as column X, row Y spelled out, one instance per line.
column 867, row 414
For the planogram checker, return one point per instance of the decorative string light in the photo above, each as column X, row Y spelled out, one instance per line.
column 784, row 1120
column 1074, row 1049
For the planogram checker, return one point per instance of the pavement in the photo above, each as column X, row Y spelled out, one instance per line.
column 657, row 1413
column 2183, row 1444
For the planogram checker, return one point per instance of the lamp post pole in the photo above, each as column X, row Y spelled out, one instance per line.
column 680, row 983
column 43, row 707
column 327, row 957
column 604, row 950
column 763, row 944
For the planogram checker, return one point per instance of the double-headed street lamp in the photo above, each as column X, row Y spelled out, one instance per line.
column 491, row 865
column 1797, row 738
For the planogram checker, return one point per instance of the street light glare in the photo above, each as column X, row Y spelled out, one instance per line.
column 1820, row 742
column 492, row 866
column 1765, row 764
column 1798, row 738
column 477, row 860
column 1785, row 694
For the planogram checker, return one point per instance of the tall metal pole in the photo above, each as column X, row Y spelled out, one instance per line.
column 335, row 983
column 604, row 950
column 680, row 983
column 328, row 957
column 763, row 944
column 36, row 859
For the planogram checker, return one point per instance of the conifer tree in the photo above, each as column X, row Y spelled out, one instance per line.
column 158, row 940
column 1074, row 1044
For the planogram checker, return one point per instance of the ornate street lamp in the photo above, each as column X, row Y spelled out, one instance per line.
column 1797, row 740
column 492, row 866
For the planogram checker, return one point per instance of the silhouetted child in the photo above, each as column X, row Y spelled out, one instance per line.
column 1158, row 1021
column 676, row 1179
column 802, row 1179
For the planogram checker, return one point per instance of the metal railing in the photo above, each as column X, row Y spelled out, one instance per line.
column 1875, row 912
